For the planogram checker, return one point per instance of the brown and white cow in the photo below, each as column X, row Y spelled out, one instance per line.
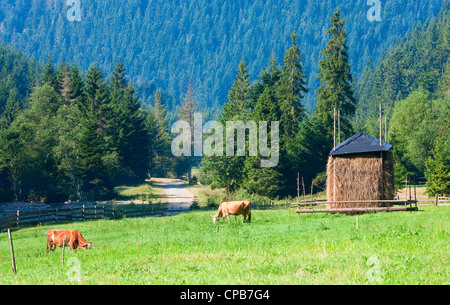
column 74, row 239
column 234, row 208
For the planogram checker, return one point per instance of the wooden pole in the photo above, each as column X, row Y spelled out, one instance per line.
column 312, row 184
column 339, row 126
column 406, row 188
column 298, row 187
column 410, row 190
column 334, row 125
column 304, row 195
column 381, row 127
column 63, row 247
column 13, row 259
column 334, row 178
column 385, row 128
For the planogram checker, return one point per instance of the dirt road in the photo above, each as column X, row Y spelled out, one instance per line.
column 177, row 195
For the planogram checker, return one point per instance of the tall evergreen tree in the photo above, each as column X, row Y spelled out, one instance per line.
column 267, row 181
column 238, row 97
column 158, row 124
column 97, row 98
column 49, row 75
column 76, row 85
column 336, row 79
column 186, row 113
column 228, row 171
column 11, row 110
column 127, row 134
column 292, row 89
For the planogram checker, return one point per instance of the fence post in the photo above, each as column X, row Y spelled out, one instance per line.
column 103, row 212
column 437, row 200
column 13, row 259
column 18, row 218
column 82, row 212
column 56, row 215
column 64, row 244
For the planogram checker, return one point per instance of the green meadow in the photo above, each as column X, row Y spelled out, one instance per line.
column 277, row 247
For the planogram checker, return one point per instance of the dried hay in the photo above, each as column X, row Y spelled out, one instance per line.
column 367, row 176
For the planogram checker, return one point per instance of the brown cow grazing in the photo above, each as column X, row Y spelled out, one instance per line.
column 74, row 239
column 234, row 208
column 221, row 212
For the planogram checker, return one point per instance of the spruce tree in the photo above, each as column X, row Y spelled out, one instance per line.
column 336, row 79
column 239, row 96
column 228, row 171
column 11, row 110
column 157, row 124
column 126, row 130
column 268, row 181
column 76, row 85
column 292, row 89
column 97, row 99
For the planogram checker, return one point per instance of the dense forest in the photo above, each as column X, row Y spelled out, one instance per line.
column 410, row 82
column 167, row 44
column 76, row 136
column 66, row 134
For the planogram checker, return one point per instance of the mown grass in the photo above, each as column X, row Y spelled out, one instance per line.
column 278, row 247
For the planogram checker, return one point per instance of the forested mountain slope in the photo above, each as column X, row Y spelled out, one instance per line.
column 165, row 44
column 418, row 61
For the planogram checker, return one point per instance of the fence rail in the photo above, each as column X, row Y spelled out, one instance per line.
column 440, row 200
column 22, row 218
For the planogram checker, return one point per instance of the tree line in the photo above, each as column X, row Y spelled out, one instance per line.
column 76, row 137
column 410, row 82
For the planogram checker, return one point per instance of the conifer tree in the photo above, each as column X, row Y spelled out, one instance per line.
column 292, row 89
column 126, row 127
column 228, row 171
column 76, row 85
column 49, row 75
column 97, row 99
column 267, row 181
column 157, row 124
column 336, row 79
column 11, row 110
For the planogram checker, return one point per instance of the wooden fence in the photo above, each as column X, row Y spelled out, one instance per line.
column 22, row 218
column 440, row 200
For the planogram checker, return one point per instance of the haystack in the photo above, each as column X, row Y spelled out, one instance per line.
column 360, row 169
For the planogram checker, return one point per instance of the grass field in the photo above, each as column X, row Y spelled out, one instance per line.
column 278, row 247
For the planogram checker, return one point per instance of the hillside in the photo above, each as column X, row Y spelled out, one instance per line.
column 166, row 44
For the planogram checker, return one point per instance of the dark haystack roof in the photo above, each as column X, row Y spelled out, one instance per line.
column 360, row 143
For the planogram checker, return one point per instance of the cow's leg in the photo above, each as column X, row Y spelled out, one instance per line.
column 250, row 217
column 48, row 246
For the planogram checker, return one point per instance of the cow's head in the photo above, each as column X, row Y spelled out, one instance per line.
column 87, row 245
